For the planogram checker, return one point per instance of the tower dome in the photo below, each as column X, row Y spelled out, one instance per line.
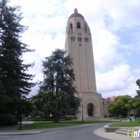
column 76, row 14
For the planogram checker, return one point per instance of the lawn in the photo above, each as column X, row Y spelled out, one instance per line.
column 126, row 124
column 51, row 124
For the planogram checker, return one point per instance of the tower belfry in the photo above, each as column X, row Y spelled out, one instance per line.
column 79, row 47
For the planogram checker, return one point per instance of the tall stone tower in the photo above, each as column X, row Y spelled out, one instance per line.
column 79, row 47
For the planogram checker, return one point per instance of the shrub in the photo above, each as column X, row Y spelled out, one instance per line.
column 68, row 119
column 8, row 120
column 49, row 119
column 117, row 117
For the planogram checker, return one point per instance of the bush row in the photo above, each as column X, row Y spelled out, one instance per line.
column 8, row 120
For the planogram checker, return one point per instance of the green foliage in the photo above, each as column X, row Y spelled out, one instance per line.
column 49, row 119
column 3, row 97
column 138, row 83
column 8, row 120
column 136, row 103
column 117, row 117
column 121, row 106
column 14, row 80
column 57, row 92
column 138, row 91
column 24, row 107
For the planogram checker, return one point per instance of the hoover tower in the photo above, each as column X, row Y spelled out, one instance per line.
column 79, row 46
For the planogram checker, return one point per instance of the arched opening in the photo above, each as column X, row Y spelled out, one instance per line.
column 85, row 28
column 90, row 109
column 86, row 39
column 79, row 39
column 78, row 25
column 71, row 26
column 72, row 38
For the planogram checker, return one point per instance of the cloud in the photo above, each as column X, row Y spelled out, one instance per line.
column 123, row 13
column 137, row 72
column 44, row 45
column 118, row 80
column 105, row 48
column 110, row 22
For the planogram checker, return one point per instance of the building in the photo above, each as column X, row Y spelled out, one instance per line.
column 78, row 45
column 106, row 103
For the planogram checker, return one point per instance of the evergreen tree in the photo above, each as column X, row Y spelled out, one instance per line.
column 58, row 86
column 137, row 97
column 13, row 72
column 3, row 97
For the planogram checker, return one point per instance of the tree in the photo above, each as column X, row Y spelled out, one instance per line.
column 13, row 73
column 138, row 91
column 3, row 97
column 57, row 85
column 38, row 105
column 137, row 97
column 121, row 105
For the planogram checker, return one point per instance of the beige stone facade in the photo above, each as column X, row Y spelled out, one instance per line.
column 106, row 103
column 79, row 47
column 105, row 107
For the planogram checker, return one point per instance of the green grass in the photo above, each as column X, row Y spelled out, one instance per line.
column 50, row 124
column 125, row 118
column 126, row 124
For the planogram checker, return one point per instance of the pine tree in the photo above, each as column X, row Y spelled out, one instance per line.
column 13, row 72
column 58, row 89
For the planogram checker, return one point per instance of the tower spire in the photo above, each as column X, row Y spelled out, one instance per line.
column 75, row 10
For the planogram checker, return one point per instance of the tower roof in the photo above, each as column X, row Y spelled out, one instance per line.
column 75, row 14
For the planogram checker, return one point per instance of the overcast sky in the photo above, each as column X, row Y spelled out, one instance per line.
column 115, row 28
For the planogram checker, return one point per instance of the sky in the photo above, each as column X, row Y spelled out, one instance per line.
column 115, row 28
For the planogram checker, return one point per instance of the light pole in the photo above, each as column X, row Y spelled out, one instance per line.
column 82, row 109
column 82, row 115
column 20, row 120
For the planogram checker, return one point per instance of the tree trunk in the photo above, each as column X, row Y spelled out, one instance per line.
column 56, row 117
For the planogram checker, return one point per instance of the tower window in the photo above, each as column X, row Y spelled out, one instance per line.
column 72, row 38
column 86, row 39
column 78, row 25
column 79, row 39
column 85, row 28
column 71, row 26
column 79, row 44
column 79, row 33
